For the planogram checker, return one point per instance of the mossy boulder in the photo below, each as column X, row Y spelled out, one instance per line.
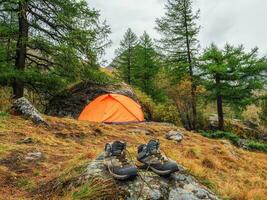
column 71, row 102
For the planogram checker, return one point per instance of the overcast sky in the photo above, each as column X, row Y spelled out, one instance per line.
column 233, row 21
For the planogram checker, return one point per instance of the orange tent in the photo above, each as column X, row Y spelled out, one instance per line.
column 112, row 108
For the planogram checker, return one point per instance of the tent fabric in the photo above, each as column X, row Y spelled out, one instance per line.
column 112, row 108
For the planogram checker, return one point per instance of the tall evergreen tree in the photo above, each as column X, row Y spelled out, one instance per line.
column 231, row 76
column 63, row 37
column 179, row 42
column 126, row 57
column 147, row 64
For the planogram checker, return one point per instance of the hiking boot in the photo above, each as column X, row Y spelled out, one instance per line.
column 150, row 157
column 116, row 161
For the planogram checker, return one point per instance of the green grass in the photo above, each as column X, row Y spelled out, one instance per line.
column 83, row 193
column 97, row 188
column 222, row 135
column 25, row 183
column 3, row 114
column 254, row 145
column 250, row 144
column 208, row 184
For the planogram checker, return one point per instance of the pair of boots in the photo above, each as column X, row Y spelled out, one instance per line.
column 149, row 157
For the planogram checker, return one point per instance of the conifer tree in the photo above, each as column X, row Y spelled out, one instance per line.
column 126, row 56
column 147, row 64
column 48, row 38
column 179, row 43
column 231, row 76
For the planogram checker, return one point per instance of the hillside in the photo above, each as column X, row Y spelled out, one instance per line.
column 67, row 144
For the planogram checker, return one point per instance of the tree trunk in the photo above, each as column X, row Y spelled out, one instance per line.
column 219, row 105
column 18, row 84
column 191, row 73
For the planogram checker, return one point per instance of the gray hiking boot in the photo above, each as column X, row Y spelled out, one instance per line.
column 150, row 157
column 116, row 161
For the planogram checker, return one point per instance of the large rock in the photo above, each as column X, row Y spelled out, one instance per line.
column 179, row 186
column 72, row 101
column 26, row 109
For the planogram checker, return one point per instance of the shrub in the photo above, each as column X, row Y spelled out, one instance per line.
column 251, row 113
column 160, row 112
column 166, row 113
column 263, row 114
column 250, row 144
column 222, row 135
column 254, row 145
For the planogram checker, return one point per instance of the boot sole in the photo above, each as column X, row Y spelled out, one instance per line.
column 121, row 177
column 159, row 172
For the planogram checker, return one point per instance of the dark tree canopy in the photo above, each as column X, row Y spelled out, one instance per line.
column 232, row 76
column 62, row 39
column 148, row 65
column 126, row 56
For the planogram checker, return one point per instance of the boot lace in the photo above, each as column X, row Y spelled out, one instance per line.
column 160, row 157
column 122, row 159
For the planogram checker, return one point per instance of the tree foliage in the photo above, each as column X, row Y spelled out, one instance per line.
column 179, row 43
column 176, row 27
column 60, row 40
column 137, row 62
column 125, row 60
column 148, row 65
column 232, row 76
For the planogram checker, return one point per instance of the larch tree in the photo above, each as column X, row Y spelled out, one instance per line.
column 179, row 44
column 125, row 59
column 61, row 39
column 232, row 76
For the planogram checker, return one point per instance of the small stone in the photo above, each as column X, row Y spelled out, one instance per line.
column 242, row 143
column 34, row 156
column 27, row 140
column 141, row 131
column 174, row 135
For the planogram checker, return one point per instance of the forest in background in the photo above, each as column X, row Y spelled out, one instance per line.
column 48, row 46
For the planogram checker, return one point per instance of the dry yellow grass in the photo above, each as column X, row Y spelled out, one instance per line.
column 231, row 172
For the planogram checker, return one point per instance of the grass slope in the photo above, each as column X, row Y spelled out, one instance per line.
column 69, row 144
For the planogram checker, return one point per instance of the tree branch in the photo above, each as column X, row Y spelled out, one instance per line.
column 40, row 58
column 37, row 63
column 52, row 35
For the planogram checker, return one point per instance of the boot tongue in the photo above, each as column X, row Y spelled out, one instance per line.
column 153, row 146
column 118, row 147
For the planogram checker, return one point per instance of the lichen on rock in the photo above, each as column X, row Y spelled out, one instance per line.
column 150, row 186
column 26, row 109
